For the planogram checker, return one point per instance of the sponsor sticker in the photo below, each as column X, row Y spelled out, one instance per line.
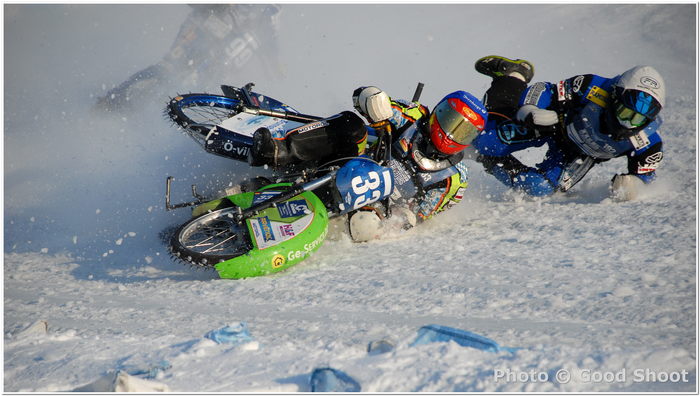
column 561, row 91
column 534, row 93
column 401, row 175
column 266, row 228
column 287, row 230
column 294, row 208
column 651, row 163
column 278, row 260
column 263, row 196
column 639, row 140
column 598, row 96
column 310, row 127
column 576, row 85
column 649, row 82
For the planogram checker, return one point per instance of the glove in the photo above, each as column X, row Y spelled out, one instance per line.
column 373, row 103
column 626, row 187
column 543, row 120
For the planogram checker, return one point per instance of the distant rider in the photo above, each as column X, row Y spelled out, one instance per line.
column 584, row 120
column 427, row 151
column 220, row 40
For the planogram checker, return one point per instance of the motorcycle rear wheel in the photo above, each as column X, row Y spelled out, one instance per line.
column 209, row 239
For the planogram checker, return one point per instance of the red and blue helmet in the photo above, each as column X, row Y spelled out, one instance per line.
column 456, row 120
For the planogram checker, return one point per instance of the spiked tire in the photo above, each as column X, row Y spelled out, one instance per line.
column 198, row 113
column 209, row 239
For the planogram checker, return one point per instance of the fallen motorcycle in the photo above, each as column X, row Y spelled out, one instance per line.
column 276, row 225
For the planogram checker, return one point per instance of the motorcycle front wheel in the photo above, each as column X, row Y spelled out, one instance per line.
column 211, row 238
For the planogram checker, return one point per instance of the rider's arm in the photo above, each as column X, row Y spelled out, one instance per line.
column 641, row 166
column 543, row 103
column 406, row 113
column 644, row 162
column 442, row 196
column 566, row 94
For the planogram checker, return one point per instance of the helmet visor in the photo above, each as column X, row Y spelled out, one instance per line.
column 458, row 122
column 634, row 107
column 628, row 117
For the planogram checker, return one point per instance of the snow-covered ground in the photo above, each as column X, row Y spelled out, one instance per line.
column 605, row 291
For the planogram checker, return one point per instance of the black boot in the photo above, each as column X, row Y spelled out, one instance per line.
column 497, row 66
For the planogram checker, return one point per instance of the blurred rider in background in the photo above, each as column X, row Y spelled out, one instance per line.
column 216, row 40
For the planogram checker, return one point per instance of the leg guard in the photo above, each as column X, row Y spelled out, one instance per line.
column 268, row 151
column 335, row 137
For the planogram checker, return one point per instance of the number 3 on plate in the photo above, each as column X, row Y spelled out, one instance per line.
column 373, row 184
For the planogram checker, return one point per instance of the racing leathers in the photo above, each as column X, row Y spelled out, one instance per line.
column 575, row 144
column 426, row 182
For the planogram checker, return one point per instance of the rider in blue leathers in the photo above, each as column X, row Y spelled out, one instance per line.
column 584, row 120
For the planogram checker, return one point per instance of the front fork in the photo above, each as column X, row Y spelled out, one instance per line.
column 200, row 199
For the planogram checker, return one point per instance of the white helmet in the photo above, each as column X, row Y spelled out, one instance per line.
column 373, row 103
column 637, row 98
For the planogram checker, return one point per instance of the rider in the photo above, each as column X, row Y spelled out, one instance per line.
column 427, row 151
column 214, row 40
column 585, row 120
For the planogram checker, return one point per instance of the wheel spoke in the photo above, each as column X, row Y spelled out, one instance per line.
column 214, row 234
column 205, row 241
column 211, row 249
column 207, row 114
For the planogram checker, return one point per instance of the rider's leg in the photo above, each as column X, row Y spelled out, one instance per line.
column 510, row 79
column 495, row 148
column 516, row 175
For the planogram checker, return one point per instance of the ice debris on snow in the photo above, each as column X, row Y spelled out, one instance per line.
column 379, row 347
column 326, row 379
column 120, row 381
column 231, row 334
column 38, row 328
column 149, row 372
column 437, row 333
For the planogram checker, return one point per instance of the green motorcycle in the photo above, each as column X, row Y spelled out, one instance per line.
column 277, row 224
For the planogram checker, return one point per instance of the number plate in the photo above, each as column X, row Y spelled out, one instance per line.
column 361, row 182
